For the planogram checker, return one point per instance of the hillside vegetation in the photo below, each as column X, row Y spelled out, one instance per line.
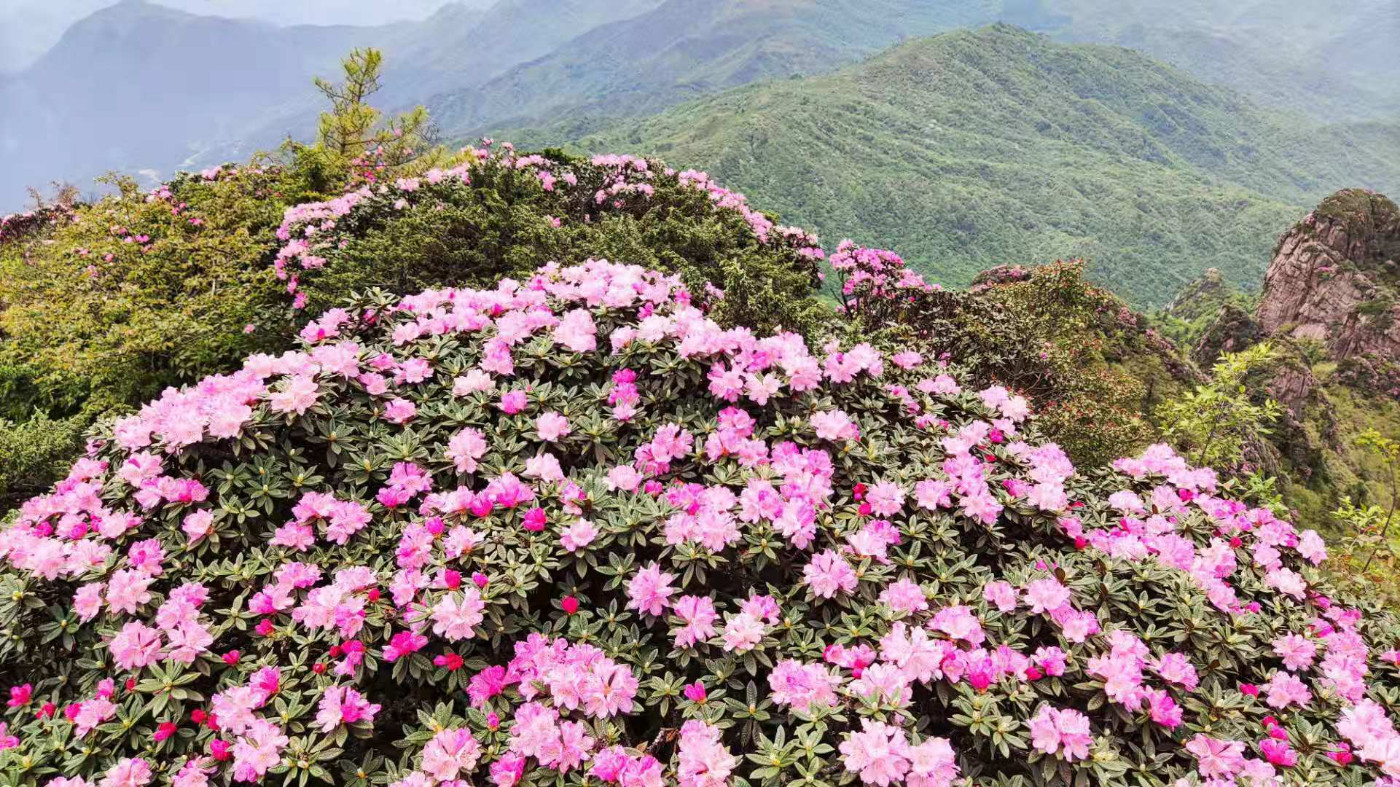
column 369, row 462
column 973, row 149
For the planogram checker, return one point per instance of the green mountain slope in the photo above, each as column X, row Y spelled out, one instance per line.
column 687, row 48
column 978, row 148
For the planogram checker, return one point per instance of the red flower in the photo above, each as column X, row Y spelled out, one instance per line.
column 449, row 661
column 164, row 730
column 570, row 605
column 20, row 695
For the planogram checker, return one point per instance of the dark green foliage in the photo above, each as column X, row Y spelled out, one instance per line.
column 1206, row 314
column 1094, row 370
column 140, row 291
column 1231, row 329
column 107, row 304
column 36, row 453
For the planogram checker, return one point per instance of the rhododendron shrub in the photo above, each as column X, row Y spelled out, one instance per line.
column 501, row 213
column 129, row 293
column 570, row 530
column 1094, row 370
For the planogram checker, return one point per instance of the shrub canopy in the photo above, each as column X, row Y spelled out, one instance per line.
column 500, row 214
column 572, row 530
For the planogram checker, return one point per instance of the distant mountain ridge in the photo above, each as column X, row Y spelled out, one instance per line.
column 978, row 148
column 141, row 86
column 32, row 27
column 686, row 48
column 145, row 99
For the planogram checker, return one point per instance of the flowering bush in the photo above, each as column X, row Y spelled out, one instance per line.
column 16, row 226
column 574, row 530
column 570, row 530
column 500, row 213
column 104, row 305
column 140, row 289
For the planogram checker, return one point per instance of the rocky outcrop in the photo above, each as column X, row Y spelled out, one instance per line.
column 1334, row 277
column 1291, row 382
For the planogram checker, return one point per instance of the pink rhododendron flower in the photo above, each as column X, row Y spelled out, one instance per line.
column 1296, row 651
column 551, row 426
column 829, row 574
column 400, row 411
column 465, row 448
column 1001, row 595
column 650, row 590
column 879, row 753
column 343, row 705
column 703, row 761
column 1046, row 595
column 1064, row 733
column 578, row 535
column 451, row 754
column 1215, row 758
column 456, row 614
column 1283, row 689
column 834, row 425
column 129, row 772
column 802, row 685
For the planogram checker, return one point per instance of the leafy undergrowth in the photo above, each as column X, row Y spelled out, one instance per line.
column 572, row 530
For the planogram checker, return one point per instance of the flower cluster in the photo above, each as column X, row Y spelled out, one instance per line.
column 572, row 530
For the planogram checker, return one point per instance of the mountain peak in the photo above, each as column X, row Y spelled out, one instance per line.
column 1335, row 276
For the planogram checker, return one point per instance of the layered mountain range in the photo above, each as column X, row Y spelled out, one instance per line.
column 962, row 151
column 979, row 148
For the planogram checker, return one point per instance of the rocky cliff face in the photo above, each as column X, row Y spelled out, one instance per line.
column 1335, row 276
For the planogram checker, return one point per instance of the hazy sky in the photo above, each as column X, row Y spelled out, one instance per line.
column 29, row 27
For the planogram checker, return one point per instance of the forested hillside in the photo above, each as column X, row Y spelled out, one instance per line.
column 974, row 149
